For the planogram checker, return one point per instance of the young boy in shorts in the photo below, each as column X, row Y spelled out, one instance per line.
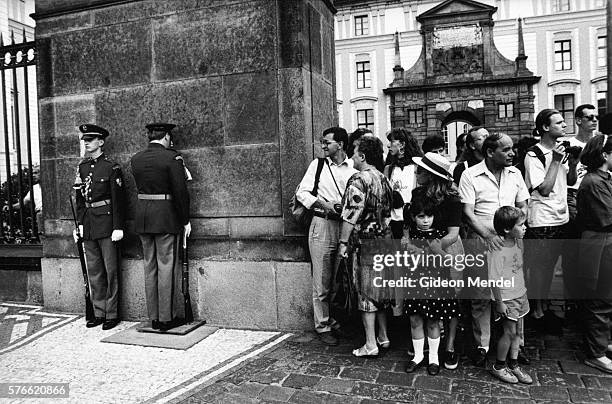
column 510, row 302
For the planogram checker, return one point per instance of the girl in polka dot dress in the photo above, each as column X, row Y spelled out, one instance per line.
column 428, row 305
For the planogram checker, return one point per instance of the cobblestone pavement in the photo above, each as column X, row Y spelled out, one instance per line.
column 100, row 372
column 302, row 370
column 239, row 366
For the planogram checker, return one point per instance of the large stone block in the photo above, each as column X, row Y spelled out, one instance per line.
column 251, row 107
column 65, row 170
column 48, row 183
column 44, row 68
column 294, row 295
column 64, row 291
column 322, row 104
column 13, row 285
column 46, row 134
column 35, row 287
column 70, row 112
column 139, row 10
column 237, row 294
column 328, row 50
column 112, row 56
column 195, row 106
column 315, row 40
column 217, row 40
column 293, row 32
column 63, row 280
column 295, row 134
column 54, row 25
column 255, row 227
column 235, row 181
column 132, row 297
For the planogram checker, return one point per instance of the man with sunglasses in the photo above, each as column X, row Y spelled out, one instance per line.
column 586, row 119
column 324, row 231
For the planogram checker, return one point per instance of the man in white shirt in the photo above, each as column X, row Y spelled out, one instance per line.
column 325, row 227
column 547, row 174
column 483, row 188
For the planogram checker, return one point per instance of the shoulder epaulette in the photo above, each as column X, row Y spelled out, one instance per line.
column 85, row 160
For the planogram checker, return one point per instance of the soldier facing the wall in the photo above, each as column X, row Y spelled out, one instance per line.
column 100, row 197
column 162, row 215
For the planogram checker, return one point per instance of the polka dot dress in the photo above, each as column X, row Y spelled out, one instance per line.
column 437, row 303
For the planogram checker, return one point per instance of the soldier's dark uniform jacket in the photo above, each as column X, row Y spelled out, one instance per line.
column 100, row 197
column 159, row 171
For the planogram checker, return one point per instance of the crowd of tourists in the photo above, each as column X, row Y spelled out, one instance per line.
column 522, row 205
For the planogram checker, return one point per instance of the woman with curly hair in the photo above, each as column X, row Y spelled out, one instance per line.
column 366, row 212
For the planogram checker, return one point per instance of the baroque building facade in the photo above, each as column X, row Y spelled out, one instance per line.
column 441, row 67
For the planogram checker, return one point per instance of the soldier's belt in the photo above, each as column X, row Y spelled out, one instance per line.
column 155, row 197
column 98, row 203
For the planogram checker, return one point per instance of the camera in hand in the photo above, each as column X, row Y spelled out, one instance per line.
column 574, row 151
column 338, row 207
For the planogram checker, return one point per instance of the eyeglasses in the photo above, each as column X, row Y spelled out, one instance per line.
column 325, row 142
column 591, row 117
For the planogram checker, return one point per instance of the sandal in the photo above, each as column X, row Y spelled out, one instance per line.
column 364, row 352
column 383, row 344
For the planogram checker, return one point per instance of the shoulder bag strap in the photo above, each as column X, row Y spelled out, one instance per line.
column 333, row 178
column 315, row 188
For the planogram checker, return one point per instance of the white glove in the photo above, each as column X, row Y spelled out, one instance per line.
column 76, row 234
column 117, row 235
column 187, row 232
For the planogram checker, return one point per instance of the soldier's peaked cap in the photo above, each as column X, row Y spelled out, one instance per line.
column 91, row 131
column 161, row 127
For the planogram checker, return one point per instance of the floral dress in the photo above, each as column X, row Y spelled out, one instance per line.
column 367, row 205
column 437, row 303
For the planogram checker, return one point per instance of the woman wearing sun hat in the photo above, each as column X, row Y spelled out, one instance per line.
column 436, row 185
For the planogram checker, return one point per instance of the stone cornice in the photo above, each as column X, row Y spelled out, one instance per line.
column 76, row 6
column 73, row 6
column 476, row 83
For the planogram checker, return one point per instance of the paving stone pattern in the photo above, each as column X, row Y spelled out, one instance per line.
column 303, row 370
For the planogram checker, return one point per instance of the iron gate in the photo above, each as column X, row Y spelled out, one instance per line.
column 21, row 194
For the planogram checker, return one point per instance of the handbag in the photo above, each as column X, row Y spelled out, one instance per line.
column 301, row 214
column 343, row 296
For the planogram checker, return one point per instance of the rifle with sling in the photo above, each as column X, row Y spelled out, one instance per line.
column 185, row 283
column 89, row 310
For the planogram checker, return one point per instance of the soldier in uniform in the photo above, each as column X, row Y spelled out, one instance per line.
column 100, row 200
column 161, row 217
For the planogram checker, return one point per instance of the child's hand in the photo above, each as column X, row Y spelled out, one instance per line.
column 501, row 308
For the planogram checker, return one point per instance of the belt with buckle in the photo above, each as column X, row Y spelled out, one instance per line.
column 331, row 216
column 155, row 197
column 97, row 204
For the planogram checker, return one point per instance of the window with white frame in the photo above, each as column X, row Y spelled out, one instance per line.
column 365, row 118
column 363, row 74
column 564, row 103
column 560, row 5
column 362, row 26
column 505, row 110
column 563, row 55
column 602, row 54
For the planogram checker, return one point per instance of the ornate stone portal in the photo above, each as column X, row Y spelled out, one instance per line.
column 460, row 76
